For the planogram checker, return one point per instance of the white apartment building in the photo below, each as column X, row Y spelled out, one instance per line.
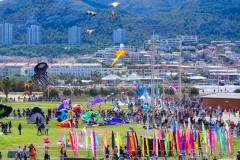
column 119, row 36
column 12, row 68
column 6, row 33
column 74, row 35
column 188, row 39
column 77, row 69
column 34, row 35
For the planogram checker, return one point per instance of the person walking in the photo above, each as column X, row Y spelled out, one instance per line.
column 25, row 155
column 10, row 126
column 0, row 155
column 63, row 153
column 46, row 156
column 20, row 128
column 46, row 129
column 19, row 153
column 39, row 129
column 32, row 152
column 107, row 152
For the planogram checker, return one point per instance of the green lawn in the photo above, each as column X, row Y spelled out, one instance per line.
column 29, row 132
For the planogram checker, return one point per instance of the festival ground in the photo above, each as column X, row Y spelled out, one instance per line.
column 29, row 133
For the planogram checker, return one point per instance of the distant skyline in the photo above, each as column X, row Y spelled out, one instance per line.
column 34, row 35
column 6, row 33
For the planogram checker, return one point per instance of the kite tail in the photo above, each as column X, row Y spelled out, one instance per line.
column 115, row 60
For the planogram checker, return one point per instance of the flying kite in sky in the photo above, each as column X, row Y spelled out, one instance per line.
column 114, row 4
column 118, row 54
column 90, row 31
column 91, row 13
column 113, row 15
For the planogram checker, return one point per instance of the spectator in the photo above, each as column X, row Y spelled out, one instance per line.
column 46, row 156
column 0, row 155
column 19, row 128
column 63, row 153
column 10, row 126
column 25, row 155
column 32, row 152
column 107, row 152
column 115, row 152
column 19, row 153
column 39, row 129
column 46, row 129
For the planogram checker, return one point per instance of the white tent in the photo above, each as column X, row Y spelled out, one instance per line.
column 144, row 99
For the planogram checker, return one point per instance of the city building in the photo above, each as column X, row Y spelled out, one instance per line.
column 74, row 35
column 188, row 39
column 77, row 69
column 6, row 33
column 34, row 34
column 12, row 68
column 119, row 36
column 224, row 100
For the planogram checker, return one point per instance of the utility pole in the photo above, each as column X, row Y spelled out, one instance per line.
column 180, row 72
column 152, row 81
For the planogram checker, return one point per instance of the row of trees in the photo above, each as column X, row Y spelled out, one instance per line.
column 53, row 92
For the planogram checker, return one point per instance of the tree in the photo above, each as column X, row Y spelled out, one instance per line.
column 6, row 85
column 193, row 91
column 77, row 91
column 93, row 92
column 169, row 91
column 67, row 92
column 96, row 77
column 53, row 92
column 237, row 90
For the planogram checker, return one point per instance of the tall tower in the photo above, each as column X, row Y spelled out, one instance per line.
column 119, row 36
column 6, row 33
column 34, row 34
column 74, row 35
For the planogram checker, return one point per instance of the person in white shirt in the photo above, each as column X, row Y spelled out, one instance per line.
column 19, row 153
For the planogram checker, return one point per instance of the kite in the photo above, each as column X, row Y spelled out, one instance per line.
column 95, row 101
column 114, row 4
column 113, row 14
column 118, row 54
column 87, row 115
column 91, row 13
column 62, row 115
column 40, row 77
column 90, row 31
column 5, row 110
column 77, row 108
column 65, row 104
column 174, row 86
column 67, row 123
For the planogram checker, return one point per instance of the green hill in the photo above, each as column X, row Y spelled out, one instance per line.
column 210, row 20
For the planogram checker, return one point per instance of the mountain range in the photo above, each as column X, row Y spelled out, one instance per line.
column 209, row 19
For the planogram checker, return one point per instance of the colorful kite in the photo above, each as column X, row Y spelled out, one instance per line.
column 5, row 110
column 90, row 31
column 40, row 77
column 114, row 4
column 118, row 54
column 91, row 13
column 113, row 15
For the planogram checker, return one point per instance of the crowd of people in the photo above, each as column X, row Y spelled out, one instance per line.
column 189, row 111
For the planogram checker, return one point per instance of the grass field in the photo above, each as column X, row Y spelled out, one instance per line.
column 29, row 132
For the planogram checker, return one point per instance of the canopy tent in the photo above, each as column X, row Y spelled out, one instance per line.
column 145, row 99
